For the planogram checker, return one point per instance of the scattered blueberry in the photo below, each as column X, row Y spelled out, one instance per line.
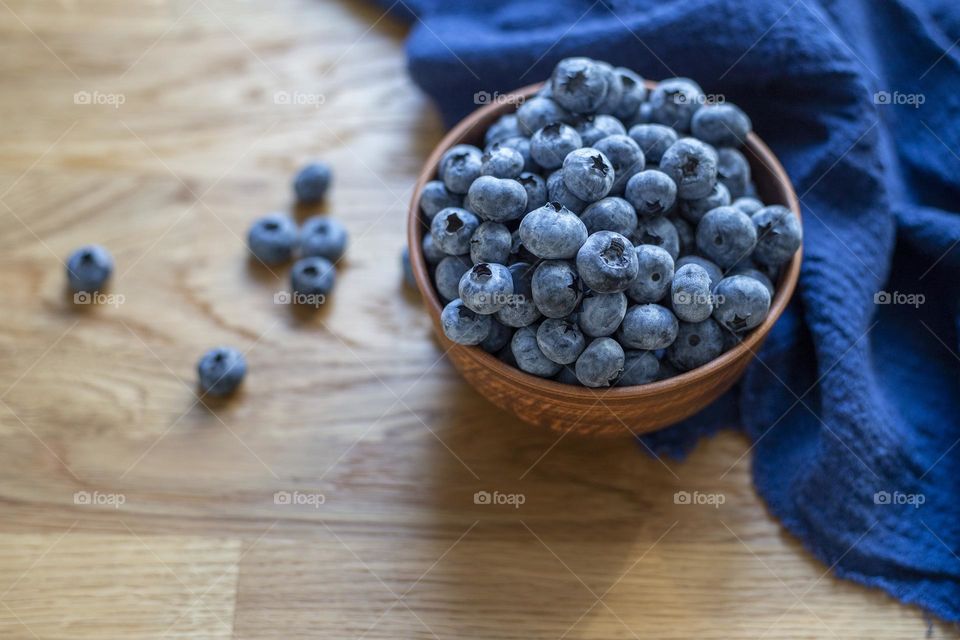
column 313, row 276
column 272, row 238
column 311, row 182
column 408, row 278
column 220, row 371
column 88, row 269
column 323, row 237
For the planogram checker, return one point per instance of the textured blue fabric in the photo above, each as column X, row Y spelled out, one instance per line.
column 849, row 401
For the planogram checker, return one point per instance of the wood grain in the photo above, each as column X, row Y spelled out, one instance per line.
column 354, row 403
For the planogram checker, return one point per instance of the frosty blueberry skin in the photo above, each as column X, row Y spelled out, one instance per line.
column 610, row 214
column 778, row 235
column 733, row 171
column 697, row 344
column 551, row 144
column 452, row 229
column 691, row 293
column 654, row 274
column 639, row 367
column 556, row 288
column 633, row 94
column 536, row 188
column 553, row 232
column 600, row 364
column 431, row 252
column 501, row 161
column 653, row 139
column 498, row 338
column 459, row 167
column 686, row 234
column 674, row 101
column 601, row 313
column 652, row 193
column 522, row 146
column 722, row 125
column 692, row 165
column 592, row 129
column 485, row 288
column 579, row 85
column 435, row 198
column 757, row 275
column 220, row 371
column 311, row 183
column 561, row 340
column 536, row 113
column 272, row 238
column 748, row 205
column 726, row 235
column 588, row 174
column 607, row 262
column 447, row 276
column 625, row 157
column 506, row 126
column 89, row 268
column 313, row 276
column 659, row 232
column 520, row 310
column 648, row 327
column 497, row 199
column 742, row 303
column 694, row 210
column 491, row 242
column 463, row 326
column 323, row 237
column 557, row 191
column 528, row 355
column 715, row 272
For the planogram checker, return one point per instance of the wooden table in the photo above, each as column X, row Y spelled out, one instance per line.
column 131, row 510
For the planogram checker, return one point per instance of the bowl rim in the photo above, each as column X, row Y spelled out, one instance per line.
column 746, row 348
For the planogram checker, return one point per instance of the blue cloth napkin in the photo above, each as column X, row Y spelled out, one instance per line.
column 852, row 405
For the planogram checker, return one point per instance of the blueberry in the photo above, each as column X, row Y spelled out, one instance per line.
column 722, row 125
column 742, row 303
column 644, row 115
column 431, row 252
column 652, row 193
column 607, row 262
column 614, row 88
column 654, row 276
column 625, row 157
column 659, row 232
column 715, row 273
column 501, row 161
column 726, row 235
column 452, row 229
column 579, row 84
column 435, row 197
column 691, row 294
column 639, row 367
column 447, row 276
column 323, row 237
column 272, row 238
column 648, row 326
column 522, row 146
column 220, row 371
column 594, row 128
column 757, row 275
column 491, row 242
column 667, row 370
column 497, row 199
column 674, row 101
column 601, row 363
column 686, row 234
column 518, row 252
column 748, row 205
column 528, row 355
column 610, row 214
column 313, row 276
column 561, row 340
column 694, row 210
column 551, row 144
column 692, row 165
column 733, row 170
column 601, row 313
column 498, row 338
column 88, row 269
column 552, row 232
column 486, row 287
column 634, row 93
column 588, row 174
column 507, row 126
column 697, row 344
column 567, row 375
column 520, row 309
column 536, row 188
column 311, row 182
column 557, row 191
column 556, row 288
column 460, row 166
column 408, row 278
column 778, row 235
column 653, row 139
column 463, row 326
column 538, row 112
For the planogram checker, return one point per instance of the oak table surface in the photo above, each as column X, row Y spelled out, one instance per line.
column 130, row 510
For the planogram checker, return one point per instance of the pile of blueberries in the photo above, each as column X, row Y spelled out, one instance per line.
column 607, row 234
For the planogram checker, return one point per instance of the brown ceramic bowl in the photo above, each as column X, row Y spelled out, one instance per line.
column 564, row 407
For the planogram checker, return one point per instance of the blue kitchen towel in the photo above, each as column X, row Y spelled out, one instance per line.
column 853, row 404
